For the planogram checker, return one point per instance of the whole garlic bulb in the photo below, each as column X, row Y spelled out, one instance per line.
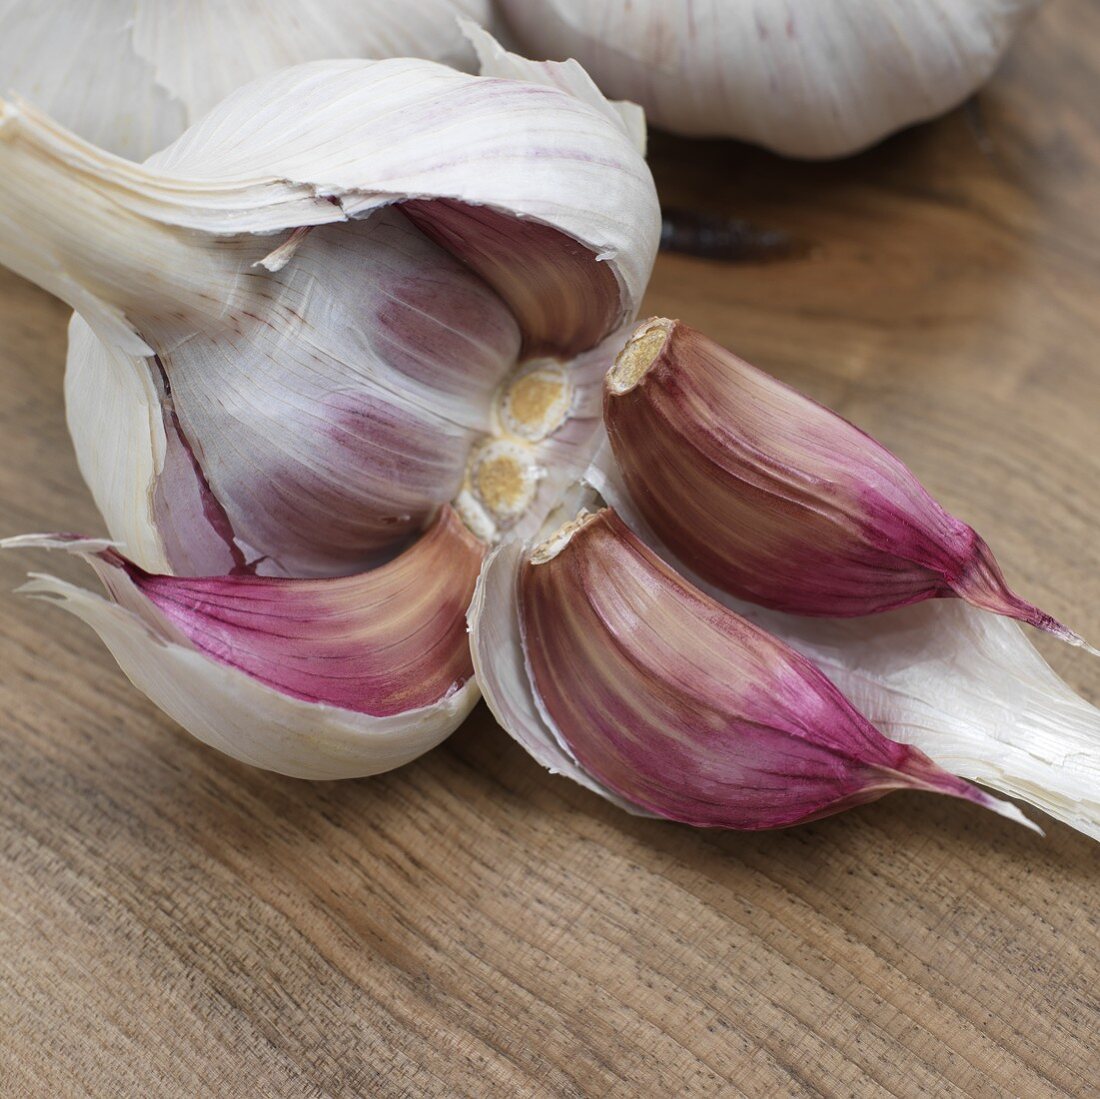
column 132, row 75
column 806, row 78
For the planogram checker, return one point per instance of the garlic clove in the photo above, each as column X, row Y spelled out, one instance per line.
column 131, row 77
column 679, row 706
column 554, row 317
column 326, row 678
column 121, row 447
column 773, row 498
column 814, row 79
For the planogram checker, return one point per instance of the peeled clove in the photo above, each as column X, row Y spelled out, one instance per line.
column 675, row 705
column 773, row 498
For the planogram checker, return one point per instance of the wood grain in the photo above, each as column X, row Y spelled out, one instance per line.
column 172, row 923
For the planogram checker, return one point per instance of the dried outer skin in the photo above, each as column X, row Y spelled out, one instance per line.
column 773, row 498
column 683, row 707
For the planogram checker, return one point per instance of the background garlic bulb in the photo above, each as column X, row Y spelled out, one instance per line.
column 132, row 75
column 808, row 78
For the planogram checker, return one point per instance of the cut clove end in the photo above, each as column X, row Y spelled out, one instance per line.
column 642, row 350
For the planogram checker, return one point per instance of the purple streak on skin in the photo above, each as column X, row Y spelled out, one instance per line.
column 688, row 710
column 467, row 348
column 379, row 643
column 775, row 499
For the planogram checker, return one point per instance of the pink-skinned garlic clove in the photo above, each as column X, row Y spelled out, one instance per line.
column 318, row 678
column 775, row 499
column 684, row 709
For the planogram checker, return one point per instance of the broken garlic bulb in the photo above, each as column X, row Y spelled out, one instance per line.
column 331, row 342
column 132, row 75
column 806, row 78
column 352, row 330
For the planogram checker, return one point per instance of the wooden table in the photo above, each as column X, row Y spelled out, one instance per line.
column 172, row 923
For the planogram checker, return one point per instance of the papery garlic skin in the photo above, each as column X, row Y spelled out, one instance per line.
column 132, row 75
column 353, row 295
column 683, row 709
column 775, row 499
column 968, row 689
column 806, row 78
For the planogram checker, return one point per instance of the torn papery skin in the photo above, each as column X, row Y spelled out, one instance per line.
column 354, row 299
column 131, row 75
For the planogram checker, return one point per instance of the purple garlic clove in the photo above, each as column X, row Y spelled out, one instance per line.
column 684, row 709
column 775, row 499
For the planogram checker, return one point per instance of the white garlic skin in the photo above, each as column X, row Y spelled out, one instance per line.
column 132, row 75
column 805, row 78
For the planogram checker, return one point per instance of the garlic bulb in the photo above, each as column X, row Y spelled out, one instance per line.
column 356, row 327
column 132, row 75
column 339, row 335
column 806, row 78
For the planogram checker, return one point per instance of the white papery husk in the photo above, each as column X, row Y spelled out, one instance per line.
column 807, row 78
column 132, row 75
column 962, row 684
column 320, row 144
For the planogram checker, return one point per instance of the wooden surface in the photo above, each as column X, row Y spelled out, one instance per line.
column 172, row 923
